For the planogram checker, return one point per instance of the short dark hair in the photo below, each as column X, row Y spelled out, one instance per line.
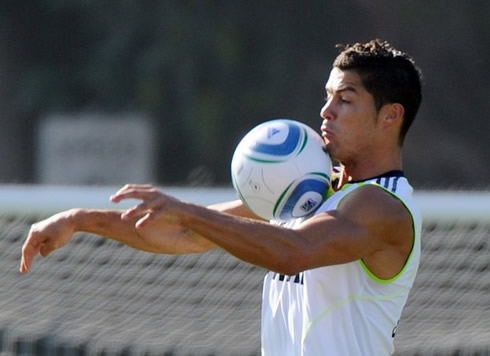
column 389, row 75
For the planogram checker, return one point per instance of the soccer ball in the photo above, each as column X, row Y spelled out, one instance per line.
column 280, row 170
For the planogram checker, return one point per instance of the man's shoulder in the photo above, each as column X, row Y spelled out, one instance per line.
column 373, row 201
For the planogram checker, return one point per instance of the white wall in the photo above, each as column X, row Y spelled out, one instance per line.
column 436, row 206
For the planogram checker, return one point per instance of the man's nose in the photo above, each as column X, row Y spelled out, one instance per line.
column 326, row 111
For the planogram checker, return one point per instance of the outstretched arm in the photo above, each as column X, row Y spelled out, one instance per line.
column 159, row 236
column 370, row 224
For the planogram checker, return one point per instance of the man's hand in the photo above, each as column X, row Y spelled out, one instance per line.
column 150, row 226
column 155, row 204
column 45, row 237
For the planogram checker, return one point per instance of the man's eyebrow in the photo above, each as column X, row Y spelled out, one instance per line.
column 343, row 88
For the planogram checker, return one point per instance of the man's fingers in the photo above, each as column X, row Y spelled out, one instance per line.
column 153, row 206
column 153, row 201
column 142, row 208
column 24, row 268
column 47, row 248
column 133, row 191
column 25, row 265
column 144, row 220
column 44, row 237
column 29, row 252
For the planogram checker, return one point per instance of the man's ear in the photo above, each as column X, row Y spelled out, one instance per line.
column 393, row 114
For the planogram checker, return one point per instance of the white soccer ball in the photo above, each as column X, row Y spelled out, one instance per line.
column 280, row 170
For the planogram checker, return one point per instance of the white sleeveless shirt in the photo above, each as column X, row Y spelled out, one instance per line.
column 340, row 310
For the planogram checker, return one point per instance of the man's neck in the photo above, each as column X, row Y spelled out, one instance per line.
column 352, row 175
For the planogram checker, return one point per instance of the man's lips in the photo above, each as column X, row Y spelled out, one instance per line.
column 326, row 132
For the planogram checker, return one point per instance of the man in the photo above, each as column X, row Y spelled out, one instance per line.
column 338, row 280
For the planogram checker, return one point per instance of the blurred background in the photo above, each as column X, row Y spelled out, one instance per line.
column 106, row 92
column 101, row 93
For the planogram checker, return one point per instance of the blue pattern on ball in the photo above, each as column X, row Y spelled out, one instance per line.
column 307, row 185
column 285, row 148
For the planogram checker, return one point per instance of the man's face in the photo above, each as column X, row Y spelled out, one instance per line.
column 349, row 115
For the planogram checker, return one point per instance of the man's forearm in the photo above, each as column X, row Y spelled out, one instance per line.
column 106, row 223
column 157, row 237
column 250, row 240
column 236, row 208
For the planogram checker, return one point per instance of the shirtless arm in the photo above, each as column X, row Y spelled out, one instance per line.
column 159, row 236
column 369, row 224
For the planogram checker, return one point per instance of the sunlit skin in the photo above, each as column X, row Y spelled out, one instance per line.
column 363, row 140
column 369, row 224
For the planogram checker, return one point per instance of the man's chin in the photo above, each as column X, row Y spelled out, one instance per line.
column 327, row 148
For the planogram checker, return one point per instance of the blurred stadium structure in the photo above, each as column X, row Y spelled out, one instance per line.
column 96, row 297
column 206, row 72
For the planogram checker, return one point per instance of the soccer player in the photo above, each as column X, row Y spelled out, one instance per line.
column 338, row 280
